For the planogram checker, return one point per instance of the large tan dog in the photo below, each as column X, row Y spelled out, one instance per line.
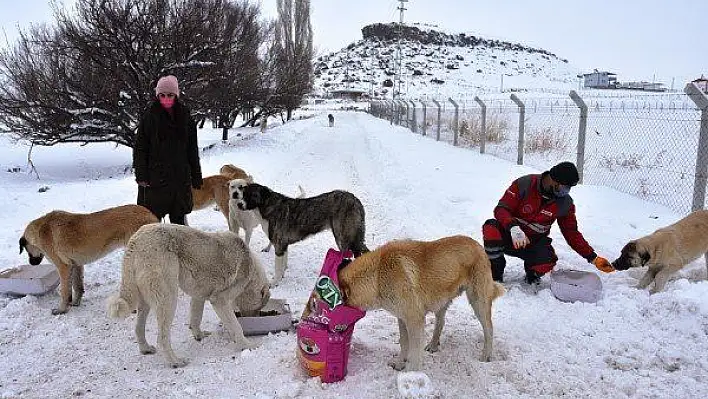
column 215, row 189
column 207, row 266
column 667, row 250
column 72, row 240
column 234, row 172
column 410, row 278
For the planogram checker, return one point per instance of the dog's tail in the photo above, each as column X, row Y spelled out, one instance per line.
column 120, row 305
column 498, row 291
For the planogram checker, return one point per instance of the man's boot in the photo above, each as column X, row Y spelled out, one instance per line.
column 533, row 277
column 498, row 265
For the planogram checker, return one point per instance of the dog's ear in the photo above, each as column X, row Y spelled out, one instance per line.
column 643, row 253
column 23, row 243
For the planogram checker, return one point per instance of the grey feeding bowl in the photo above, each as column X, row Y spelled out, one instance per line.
column 576, row 285
column 29, row 280
column 275, row 316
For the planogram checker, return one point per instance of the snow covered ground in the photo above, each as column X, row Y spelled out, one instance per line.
column 629, row 344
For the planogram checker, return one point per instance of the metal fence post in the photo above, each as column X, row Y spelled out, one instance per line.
column 414, row 124
column 425, row 118
column 582, row 129
column 483, row 135
column 522, row 117
column 437, row 138
column 699, row 185
column 399, row 111
column 455, row 122
column 406, row 119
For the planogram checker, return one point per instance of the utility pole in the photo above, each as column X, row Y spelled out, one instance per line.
column 397, row 72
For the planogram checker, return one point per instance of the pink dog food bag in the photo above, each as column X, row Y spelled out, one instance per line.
column 326, row 326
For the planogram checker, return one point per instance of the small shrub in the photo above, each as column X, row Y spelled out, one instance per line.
column 497, row 129
column 545, row 140
column 627, row 161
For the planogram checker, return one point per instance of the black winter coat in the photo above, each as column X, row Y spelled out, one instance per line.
column 166, row 156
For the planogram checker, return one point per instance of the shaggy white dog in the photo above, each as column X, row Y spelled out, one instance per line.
column 217, row 267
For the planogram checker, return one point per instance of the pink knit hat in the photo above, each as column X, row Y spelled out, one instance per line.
column 167, row 84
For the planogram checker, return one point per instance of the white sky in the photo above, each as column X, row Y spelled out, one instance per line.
column 638, row 39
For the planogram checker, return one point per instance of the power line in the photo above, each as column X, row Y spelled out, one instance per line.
column 397, row 67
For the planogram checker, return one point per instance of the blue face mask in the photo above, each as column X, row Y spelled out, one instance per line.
column 561, row 191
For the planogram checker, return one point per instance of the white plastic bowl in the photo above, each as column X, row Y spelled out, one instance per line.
column 261, row 325
column 576, row 285
column 29, row 280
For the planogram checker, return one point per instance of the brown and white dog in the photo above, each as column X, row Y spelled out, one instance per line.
column 411, row 278
column 667, row 250
column 72, row 240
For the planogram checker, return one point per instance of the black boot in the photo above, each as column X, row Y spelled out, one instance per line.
column 498, row 265
column 533, row 277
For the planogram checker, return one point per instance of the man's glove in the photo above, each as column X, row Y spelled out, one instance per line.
column 603, row 265
column 518, row 237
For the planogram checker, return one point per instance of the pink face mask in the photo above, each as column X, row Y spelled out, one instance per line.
column 167, row 101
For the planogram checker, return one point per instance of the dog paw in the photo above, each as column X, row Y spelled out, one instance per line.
column 59, row 311
column 76, row 302
column 177, row 363
column 199, row 335
column 147, row 350
column 397, row 365
column 432, row 348
column 245, row 344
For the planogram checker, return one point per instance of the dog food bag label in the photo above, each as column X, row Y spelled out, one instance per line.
column 327, row 324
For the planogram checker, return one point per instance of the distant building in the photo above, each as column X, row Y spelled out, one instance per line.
column 349, row 94
column 646, row 86
column 600, row 80
column 702, row 84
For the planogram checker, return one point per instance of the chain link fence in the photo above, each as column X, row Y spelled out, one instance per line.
column 650, row 145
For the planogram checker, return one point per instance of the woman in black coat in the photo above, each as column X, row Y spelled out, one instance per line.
column 166, row 155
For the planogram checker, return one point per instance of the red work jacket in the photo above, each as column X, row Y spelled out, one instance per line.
column 523, row 205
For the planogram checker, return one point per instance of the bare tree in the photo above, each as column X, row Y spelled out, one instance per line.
column 89, row 78
column 293, row 53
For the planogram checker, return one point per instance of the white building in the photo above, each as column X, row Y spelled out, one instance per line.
column 600, row 80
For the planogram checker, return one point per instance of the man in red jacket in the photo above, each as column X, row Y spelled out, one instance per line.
column 523, row 220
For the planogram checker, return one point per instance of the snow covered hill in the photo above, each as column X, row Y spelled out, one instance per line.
column 437, row 64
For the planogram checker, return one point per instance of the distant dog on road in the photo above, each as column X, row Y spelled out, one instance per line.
column 72, row 240
column 410, row 278
column 207, row 266
column 667, row 250
column 290, row 220
column 330, row 117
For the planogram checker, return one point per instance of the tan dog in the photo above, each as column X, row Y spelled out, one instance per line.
column 410, row 278
column 72, row 240
column 234, row 172
column 217, row 267
column 215, row 189
column 667, row 250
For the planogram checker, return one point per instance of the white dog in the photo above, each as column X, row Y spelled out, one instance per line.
column 247, row 220
column 207, row 266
